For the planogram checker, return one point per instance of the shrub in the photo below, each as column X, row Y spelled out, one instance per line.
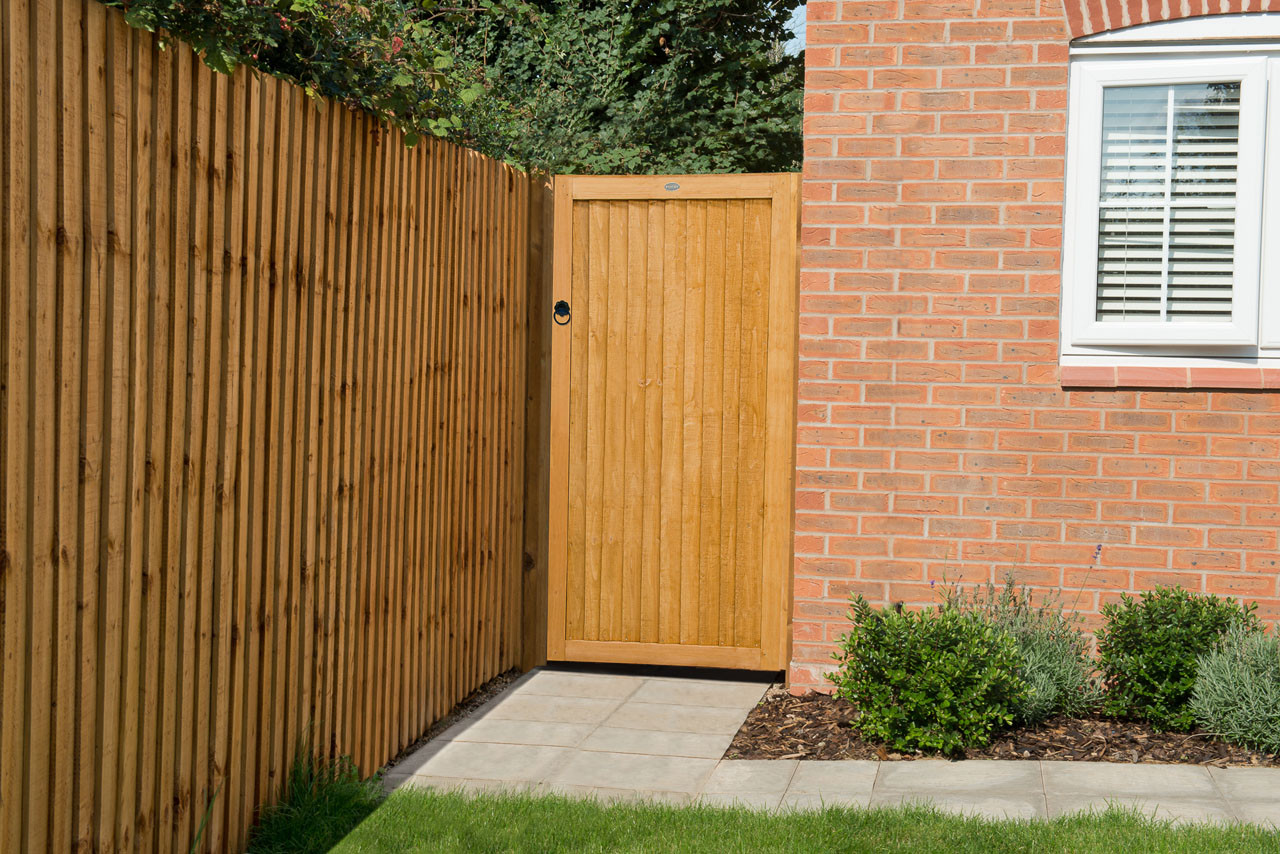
column 322, row 802
column 1054, row 656
column 1148, row 649
column 1237, row 690
column 934, row 680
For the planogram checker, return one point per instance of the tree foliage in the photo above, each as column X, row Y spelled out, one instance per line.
column 387, row 57
column 635, row 86
column 630, row 86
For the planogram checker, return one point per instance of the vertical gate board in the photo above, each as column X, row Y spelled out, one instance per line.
column 752, row 410
column 672, row 467
column 650, row 593
column 673, row 413
column 780, row 417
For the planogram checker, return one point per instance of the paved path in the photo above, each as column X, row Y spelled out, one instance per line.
column 660, row 738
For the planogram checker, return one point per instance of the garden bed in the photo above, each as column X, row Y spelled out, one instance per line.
column 816, row 726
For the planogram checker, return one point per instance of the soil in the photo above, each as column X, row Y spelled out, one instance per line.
column 816, row 726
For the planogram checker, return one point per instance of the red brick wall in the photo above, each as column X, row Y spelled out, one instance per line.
column 1085, row 17
column 935, row 437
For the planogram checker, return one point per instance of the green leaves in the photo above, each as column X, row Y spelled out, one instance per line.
column 1149, row 647
column 1054, row 656
column 934, row 680
column 555, row 85
column 1237, row 690
column 390, row 58
column 219, row 58
column 141, row 17
column 608, row 86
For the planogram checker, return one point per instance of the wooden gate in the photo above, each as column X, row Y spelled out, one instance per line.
column 673, row 419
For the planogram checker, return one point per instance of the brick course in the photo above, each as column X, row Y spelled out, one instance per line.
column 936, row 438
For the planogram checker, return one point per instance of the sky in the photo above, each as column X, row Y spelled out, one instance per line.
column 797, row 26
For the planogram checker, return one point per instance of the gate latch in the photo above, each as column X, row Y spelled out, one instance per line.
column 560, row 313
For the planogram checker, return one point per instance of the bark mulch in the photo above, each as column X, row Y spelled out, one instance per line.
column 816, row 726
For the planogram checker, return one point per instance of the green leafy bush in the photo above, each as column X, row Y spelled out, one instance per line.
column 1054, row 655
column 1237, row 690
column 1149, row 646
column 934, row 680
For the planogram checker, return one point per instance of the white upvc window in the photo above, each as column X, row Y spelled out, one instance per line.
column 1172, row 233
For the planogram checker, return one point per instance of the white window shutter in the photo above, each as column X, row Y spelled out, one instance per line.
column 1165, row 202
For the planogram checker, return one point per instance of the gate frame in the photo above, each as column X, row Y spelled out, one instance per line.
column 782, row 374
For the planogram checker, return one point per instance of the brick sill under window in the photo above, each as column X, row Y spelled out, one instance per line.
column 1170, row 377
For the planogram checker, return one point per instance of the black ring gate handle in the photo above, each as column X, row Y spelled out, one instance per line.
column 560, row 313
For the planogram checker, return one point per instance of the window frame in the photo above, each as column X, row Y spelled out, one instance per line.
column 1091, row 74
column 1269, row 297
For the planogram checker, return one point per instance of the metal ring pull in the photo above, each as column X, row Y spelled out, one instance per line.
column 560, row 313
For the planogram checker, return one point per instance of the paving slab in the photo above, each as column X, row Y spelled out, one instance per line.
column 731, row 695
column 470, row 787
column 850, row 778
column 1178, row 810
column 617, row 795
column 416, row 761
column 991, row 776
column 811, row 801
column 634, row 771
column 556, row 683
column 641, row 737
column 553, row 709
column 746, row 800
column 701, row 719
column 658, row 742
column 507, row 731
column 1265, row 813
column 1108, row 779
column 1248, row 784
column 752, row 777
column 994, row 806
column 517, row 763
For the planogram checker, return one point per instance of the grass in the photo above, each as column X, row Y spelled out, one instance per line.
column 420, row 820
column 322, row 801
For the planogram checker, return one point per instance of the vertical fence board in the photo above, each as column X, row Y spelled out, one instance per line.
column 140, row 344
column 263, row 422
column 91, row 431
column 18, row 420
column 43, row 492
column 115, row 473
column 71, row 120
column 178, row 183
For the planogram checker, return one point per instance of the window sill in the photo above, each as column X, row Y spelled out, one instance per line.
column 1169, row 376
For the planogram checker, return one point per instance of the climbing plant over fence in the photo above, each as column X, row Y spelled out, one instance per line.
column 262, row 430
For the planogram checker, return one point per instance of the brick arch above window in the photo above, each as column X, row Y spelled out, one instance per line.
column 1090, row 17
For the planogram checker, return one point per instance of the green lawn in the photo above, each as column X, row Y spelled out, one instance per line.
column 425, row 821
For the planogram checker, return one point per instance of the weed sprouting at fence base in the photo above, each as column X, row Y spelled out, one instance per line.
column 322, row 801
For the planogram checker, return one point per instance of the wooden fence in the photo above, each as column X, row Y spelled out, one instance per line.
column 262, row 408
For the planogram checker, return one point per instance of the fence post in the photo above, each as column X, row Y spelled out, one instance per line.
column 537, row 437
